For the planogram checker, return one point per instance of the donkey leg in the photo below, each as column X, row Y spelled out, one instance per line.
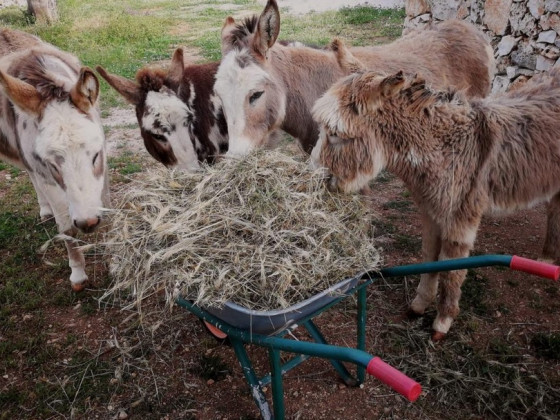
column 76, row 259
column 77, row 263
column 45, row 210
column 551, row 249
column 451, row 281
column 431, row 246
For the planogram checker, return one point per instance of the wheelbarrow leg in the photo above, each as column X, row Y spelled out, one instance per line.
column 361, row 327
column 251, row 377
column 276, row 383
column 339, row 367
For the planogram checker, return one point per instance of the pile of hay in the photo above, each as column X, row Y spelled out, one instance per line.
column 262, row 232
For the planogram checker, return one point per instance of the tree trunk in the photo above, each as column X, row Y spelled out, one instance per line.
column 45, row 11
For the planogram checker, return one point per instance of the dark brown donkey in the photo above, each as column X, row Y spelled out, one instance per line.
column 180, row 118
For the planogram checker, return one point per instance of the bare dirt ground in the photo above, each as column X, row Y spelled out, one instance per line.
column 299, row 7
column 176, row 370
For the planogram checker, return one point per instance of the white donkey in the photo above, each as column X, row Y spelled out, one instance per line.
column 51, row 127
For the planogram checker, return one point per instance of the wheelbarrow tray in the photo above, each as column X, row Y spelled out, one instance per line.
column 267, row 328
column 271, row 321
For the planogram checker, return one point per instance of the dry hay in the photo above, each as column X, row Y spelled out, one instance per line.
column 263, row 232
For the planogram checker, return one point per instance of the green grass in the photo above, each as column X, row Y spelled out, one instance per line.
column 126, row 164
column 122, row 36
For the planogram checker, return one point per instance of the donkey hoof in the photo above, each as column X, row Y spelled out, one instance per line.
column 47, row 218
column 438, row 336
column 412, row 314
column 78, row 287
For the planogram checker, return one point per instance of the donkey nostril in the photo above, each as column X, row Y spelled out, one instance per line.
column 87, row 225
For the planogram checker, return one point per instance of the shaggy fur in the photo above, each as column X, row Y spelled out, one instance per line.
column 50, row 126
column 458, row 157
column 289, row 78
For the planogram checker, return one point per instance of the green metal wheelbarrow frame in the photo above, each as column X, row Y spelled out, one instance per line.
column 364, row 362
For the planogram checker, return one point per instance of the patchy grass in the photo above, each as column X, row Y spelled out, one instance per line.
column 62, row 356
column 474, row 294
column 125, row 164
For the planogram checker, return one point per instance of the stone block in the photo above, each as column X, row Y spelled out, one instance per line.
column 551, row 52
column 543, row 63
column 494, row 17
column 500, row 84
column 513, row 72
column 520, row 21
column 552, row 6
column 547, row 37
column 524, row 57
column 445, row 9
column 464, row 10
column 415, row 8
column 550, row 21
column 506, row 44
column 536, row 8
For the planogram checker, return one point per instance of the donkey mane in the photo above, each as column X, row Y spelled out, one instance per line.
column 151, row 78
column 419, row 95
column 38, row 70
column 239, row 35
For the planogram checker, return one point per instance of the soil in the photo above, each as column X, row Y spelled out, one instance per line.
column 173, row 369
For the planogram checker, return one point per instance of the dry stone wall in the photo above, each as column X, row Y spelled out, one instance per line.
column 524, row 34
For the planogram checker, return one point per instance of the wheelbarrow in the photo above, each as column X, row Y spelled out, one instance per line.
column 268, row 329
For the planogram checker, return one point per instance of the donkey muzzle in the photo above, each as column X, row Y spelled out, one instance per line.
column 87, row 225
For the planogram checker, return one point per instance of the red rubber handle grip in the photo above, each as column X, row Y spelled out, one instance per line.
column 539, row 268
column 397, row 380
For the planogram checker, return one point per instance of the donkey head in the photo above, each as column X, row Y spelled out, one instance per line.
column 166, row 122
column 61, row 128
column 252, row 96
column 348, row 144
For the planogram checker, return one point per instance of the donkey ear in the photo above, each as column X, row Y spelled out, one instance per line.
column 227, row 39
column 391, row 84
column 268, row 28
column 127, row 88
column 86, row 91
column 21, row 93
column 177, row 65
column 345, row 58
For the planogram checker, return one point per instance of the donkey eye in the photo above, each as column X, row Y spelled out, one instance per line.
column 159, row 137
column 95, row 158
column 255, row 96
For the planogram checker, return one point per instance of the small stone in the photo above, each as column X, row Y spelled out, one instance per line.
column 445, row 9
column 501, row 83
column 524, row 57
column 536, row 7
column 506, row 44
column 494, row 17
column 544, row 64
column 415, row 8
column 550, row 21
column 210, row 381
column 552, row 6
column 110, row 408
column 122, row 415
column 512, row 72
column 5, row 376
column 547, row 36
column 551, row 52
